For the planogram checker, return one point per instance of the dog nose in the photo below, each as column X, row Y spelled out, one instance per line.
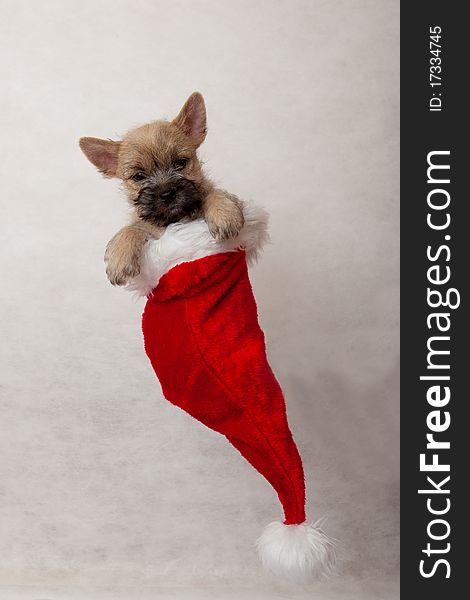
column 168, row 195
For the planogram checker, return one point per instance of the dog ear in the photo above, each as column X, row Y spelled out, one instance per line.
column 102, row 153
column 191, row 119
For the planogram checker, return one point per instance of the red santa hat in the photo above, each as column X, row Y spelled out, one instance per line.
column 202, row 336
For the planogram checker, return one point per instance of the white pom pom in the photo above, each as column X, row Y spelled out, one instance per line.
column 298, row 551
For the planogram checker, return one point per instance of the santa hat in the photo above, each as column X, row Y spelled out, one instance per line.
column 202, row 336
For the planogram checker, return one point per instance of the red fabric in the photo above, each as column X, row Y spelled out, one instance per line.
column 203, row 339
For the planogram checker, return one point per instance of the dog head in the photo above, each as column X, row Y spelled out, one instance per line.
column 158, row 164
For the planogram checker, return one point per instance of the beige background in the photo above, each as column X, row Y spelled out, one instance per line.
column 103, row 485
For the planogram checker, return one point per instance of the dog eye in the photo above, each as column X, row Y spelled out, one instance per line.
column 181, row 163
column 139, row 176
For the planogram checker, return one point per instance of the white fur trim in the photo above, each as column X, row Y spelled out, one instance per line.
column 298, row 551
column 187, row 241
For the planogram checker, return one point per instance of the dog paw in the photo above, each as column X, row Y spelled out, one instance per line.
column 122, row 258
column 224, row 216
column 120, row 273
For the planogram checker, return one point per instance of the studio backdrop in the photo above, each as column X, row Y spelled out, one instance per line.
column 103, row 482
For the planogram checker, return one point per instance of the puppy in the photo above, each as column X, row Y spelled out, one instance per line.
column 164, row 182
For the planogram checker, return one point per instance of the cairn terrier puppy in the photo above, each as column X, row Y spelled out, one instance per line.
column 164, row 182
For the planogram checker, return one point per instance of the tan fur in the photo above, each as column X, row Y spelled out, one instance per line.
column 161, row 143
column 223, row 213
column 122, row 256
